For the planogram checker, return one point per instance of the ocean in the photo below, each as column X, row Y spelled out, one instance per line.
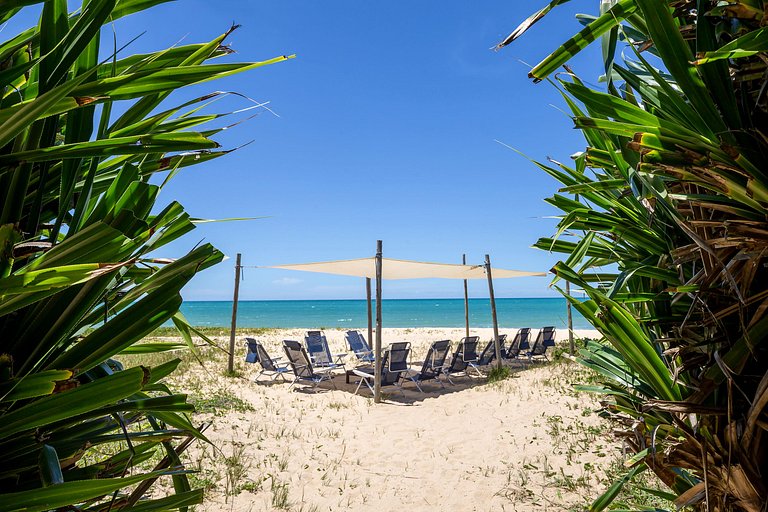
column 353, row 314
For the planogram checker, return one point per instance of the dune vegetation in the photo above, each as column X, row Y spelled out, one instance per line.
column 664, row 228
column 80, row 140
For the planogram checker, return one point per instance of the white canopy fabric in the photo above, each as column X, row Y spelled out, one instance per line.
column 403, row 269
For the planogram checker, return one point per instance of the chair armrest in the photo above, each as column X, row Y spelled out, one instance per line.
column 362, row 374
column 325, row 369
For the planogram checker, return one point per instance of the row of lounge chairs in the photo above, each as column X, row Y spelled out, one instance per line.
column 316, row 363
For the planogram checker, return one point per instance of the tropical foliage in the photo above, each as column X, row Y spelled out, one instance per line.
column 79, row 222
column 665, row 227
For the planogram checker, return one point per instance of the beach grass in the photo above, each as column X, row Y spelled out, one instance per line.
column 285, row 450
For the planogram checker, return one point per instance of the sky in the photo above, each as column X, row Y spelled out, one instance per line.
column 387, row 127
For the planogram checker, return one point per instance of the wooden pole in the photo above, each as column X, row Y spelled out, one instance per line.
column 370, row 315
column 570, row 318
column 231, row 363
column 493, row 311
column 377, row 361
column 466, row 300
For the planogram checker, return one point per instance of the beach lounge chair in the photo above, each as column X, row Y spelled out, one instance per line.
column 269, row 366
column 320, row 353
column 433, row 365
column 489, row 352
column 301, row 365
column 544, row 340
column 394, row 362
column 464, row 357
column 520, row 343
column 359, row 347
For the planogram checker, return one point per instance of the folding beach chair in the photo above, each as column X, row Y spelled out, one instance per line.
column 544, row 340
column 434, row 364
column 320, row 353
column 302, row 366
column 394, row 362
column 359, row 347
column 520, row 343
column 464, row 357
column 269, row 366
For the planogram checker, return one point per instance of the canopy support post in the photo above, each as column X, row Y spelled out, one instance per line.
column 466, row 300
column 370, row 316
column 493, row 311
column 231, row 361
column 377, row 361
column 570, row 317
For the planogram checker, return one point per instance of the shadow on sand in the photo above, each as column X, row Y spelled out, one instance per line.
column 406, row 393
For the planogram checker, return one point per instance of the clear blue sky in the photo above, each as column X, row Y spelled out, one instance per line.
column 388, row 117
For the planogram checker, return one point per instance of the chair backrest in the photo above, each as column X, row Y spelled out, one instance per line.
column 317, row 347
column 398, row 356
column 469, row 350
column 394, row 362
column 502, row 345
column 251, row 355
column 519, row 342
column 359, row 346
column 545, row 338
column 549, row 336
column 298, row 358
column 435, row 359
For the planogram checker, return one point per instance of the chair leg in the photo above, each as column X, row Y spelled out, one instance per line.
column 417, row 385
column 474, row 367
column 359, row 383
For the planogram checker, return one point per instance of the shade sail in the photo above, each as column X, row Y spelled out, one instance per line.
column 403, row 269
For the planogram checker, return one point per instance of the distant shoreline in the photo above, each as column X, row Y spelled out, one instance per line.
column 396, row 313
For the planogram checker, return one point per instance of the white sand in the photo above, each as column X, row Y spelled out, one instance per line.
column 523, row 444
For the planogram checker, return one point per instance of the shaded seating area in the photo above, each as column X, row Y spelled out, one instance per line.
column 433, row 365
column 394, row 363
column 302, row 368
column 443, row 361
column 255, row 353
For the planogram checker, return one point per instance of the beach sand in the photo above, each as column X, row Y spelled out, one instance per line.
column 527, row 443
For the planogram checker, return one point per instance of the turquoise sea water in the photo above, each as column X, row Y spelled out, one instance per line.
column 395, row 313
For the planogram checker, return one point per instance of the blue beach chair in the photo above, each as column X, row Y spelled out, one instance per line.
column 320, row 353
column 433, row 365
column 301, row 365
column 394, row 363
column 359, row 347
column 269, row 366
column 520, row 343
column 544, row 340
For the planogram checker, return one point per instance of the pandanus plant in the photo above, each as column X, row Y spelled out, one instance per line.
column 79, row 284
column 665, row 227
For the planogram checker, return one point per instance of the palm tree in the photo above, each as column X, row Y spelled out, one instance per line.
column 665, row 227
column 79, row 223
